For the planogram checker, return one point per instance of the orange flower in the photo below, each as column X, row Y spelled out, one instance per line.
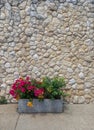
column 29, row 104
column 17, row 97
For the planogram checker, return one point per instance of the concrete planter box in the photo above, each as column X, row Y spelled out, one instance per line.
column 45, row 106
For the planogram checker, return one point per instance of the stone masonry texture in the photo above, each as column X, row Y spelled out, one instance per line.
column 48, row 38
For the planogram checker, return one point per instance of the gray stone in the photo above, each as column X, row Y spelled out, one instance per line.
column 2, row 16
column 35, row 57
column 73, row 1
column 22, row 5
column 54, row 47
column 32, row 7
column 12, row 53
column 81, row 99
column 3, row 85
column 89, row 42
column 7, row 65
column 88, row 59
column 7, row 6
column 22, row 63
column 80, row 67
column 75, row 99
column 47, row 21
column 81, row 75
column 62, row 1
column 70, row 70
column 72, row 81
column 87, row 85
column 87, row 91
column 33, row 14
column 15, row 2
column 9, row 70
column 52, row 6
column 28, row 31
column 12, row 44
column 34, row 1
column 28, row 10
column 35, row 70
column 1, row 52
column 74, row 86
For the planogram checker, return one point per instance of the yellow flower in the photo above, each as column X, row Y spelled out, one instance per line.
column 29, row 104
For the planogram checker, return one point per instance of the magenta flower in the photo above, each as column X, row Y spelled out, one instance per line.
column 14, row 87
column 30, row 88
column 12, row 92
column 27, row 78
column 39, row 92
column 23, row 90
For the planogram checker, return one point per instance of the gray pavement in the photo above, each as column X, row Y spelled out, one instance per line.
column 75, row 117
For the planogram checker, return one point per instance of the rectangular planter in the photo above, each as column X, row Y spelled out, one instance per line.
column 45, row 106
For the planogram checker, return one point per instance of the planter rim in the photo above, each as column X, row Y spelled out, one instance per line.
column 43, row 99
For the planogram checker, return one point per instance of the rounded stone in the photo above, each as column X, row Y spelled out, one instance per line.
column 75, row 99
column 81, row 75
column 81, row 99
column 87, row 85
column 74, row 86
column 70, row 70
column 7, row 65
column 2, row 16
column 7, row 6
column 72, row 81
column 28, row 31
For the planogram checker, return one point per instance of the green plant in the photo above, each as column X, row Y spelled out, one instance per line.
column 3, row 100
column 53, row 87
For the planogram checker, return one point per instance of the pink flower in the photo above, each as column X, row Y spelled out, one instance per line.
column 12, row 92
column 30, row 87
column 19, row 86
column 28, row 82
column 22, row 83
column 23, row 90
column 27, row 78
column 38, row 92
column 14, row 87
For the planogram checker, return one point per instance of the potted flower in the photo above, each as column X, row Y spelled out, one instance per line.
column 39, row 96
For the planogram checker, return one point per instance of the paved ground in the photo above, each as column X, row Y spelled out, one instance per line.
column 75, row 117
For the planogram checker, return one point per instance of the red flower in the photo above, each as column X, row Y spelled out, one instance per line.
column 39, row 92
column 27, row 78
column 12, row 92
column 23, row 90
column 22, row 82
column 30, row 88
column 14, row 87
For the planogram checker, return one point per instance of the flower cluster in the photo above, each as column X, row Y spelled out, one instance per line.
column 26, row 88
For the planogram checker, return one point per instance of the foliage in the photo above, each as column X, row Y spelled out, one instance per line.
column 26, row 88
column 53, row 87
column 3, row 100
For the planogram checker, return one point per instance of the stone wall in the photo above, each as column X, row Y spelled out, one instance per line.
column 48, row 38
